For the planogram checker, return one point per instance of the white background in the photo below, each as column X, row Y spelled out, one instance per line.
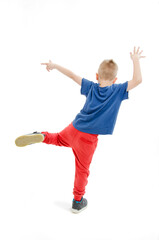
column 36, row 182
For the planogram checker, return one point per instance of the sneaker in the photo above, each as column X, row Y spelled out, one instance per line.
column 78, row 206
column 24, row 140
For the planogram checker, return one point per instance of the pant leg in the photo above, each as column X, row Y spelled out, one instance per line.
column 84, row 147
column 63, row 138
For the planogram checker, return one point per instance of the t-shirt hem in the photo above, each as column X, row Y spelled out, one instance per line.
column 98, row 132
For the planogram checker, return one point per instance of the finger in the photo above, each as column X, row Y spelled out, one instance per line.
column 138, row 50
column 48, row 69
column 43, row 63
column 134, row 49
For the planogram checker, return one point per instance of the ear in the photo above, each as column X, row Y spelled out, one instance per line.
column 115, row 80
column 96, row 76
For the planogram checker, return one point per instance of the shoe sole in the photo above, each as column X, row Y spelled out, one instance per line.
column 25, row 140
column 78, row 211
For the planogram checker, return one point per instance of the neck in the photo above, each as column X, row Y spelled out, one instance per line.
column 105, row 83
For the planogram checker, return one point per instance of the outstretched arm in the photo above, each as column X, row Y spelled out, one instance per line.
column 137, row 77
column 68, row 73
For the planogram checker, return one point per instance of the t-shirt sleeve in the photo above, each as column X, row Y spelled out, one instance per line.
column 85, row 86
column 123, row 90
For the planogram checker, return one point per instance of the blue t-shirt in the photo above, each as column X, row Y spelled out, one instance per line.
column 99, row 114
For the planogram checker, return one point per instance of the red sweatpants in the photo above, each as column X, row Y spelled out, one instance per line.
column 83, row 146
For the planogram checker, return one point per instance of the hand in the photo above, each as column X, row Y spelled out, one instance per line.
column 49, row 66
column 136, row 54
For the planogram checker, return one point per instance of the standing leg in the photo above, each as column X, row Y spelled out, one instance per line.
column 83, row 151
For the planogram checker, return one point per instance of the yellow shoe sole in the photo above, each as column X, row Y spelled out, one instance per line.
column 25, row 140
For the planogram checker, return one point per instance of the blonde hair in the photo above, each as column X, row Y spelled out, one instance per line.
column 107, row 70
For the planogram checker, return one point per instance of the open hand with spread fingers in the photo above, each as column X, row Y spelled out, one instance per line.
column 136, row 54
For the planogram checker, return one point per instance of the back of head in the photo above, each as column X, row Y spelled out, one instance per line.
column 107, row 70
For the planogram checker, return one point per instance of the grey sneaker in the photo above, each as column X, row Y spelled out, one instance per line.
column 78, row 206
column 24, row 140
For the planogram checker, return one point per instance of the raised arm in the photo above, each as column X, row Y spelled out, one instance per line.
column 68, row 73
column 137, row 77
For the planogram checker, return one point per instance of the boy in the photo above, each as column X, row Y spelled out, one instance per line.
column 98, row 116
